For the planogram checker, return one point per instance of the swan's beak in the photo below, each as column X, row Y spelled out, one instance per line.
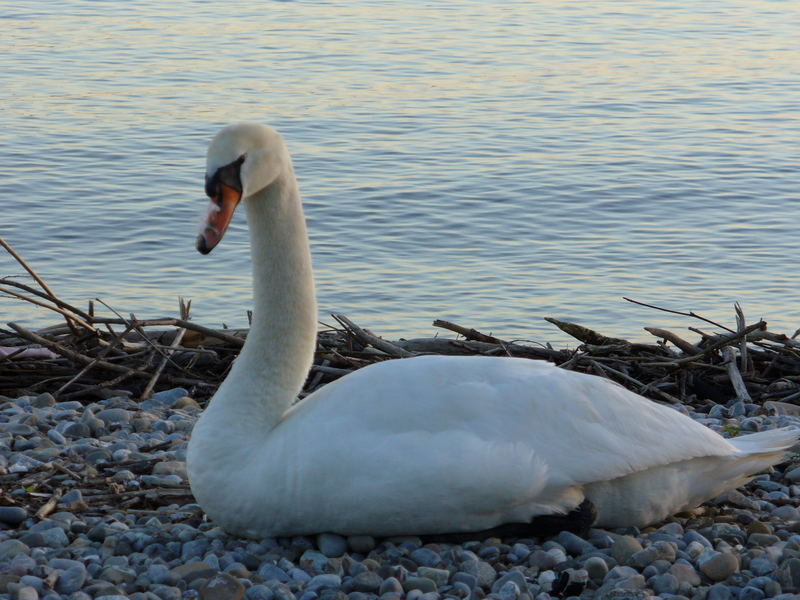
column 220, row 212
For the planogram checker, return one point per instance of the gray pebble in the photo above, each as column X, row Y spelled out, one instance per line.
column 71, row 580
column 259, row 592
column 719, row 566
column 513, row 576
column 425, row 557
column 362, row 544
column 325, row 581
column 438, row 576
column 367, row 581
column 719, row 591
column 269, row 572
column 481, row 570
column 12, row 515
column 419, row 583
column 331, row 545
column 391, row 585
column 596, row 567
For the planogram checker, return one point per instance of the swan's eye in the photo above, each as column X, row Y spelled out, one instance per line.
column 229, row 175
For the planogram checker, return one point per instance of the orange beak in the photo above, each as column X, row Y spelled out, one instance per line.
column 220, row 212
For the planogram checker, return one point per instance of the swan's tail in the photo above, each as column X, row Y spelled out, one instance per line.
column 758, row 451
column 767, row 442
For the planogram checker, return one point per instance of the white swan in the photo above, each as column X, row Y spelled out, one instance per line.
column 424, row 445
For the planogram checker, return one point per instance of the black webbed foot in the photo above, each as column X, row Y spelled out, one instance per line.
column 577, row 521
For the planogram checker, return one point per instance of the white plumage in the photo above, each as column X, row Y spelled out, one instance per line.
column 426, row 445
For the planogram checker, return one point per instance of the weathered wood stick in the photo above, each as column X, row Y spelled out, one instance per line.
column 83, row 359
column 679, row 312
column 225, row 337
column 677, row 341
column 584, row 334
column 372, row 340
column 25, row 266
column 470, row 334
column 64, row 313
column 49, row 506
column 148, row 389
column 720, row 343
column 729, row 354
column 57, row 301
column 741, row 324
column 99, row 357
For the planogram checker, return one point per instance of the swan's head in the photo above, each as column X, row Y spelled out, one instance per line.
column 242, row 160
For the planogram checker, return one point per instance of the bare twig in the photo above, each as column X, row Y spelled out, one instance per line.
column 372, row 340
column 729, row 354
column 679, row 312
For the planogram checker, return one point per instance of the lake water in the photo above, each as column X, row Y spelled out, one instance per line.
column 490, row 163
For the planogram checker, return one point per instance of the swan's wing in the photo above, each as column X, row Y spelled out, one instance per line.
column 484, row 435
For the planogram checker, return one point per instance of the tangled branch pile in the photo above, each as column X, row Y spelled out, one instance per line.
column 94, row 356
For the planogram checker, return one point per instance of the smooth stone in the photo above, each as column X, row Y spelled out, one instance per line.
column 362, row 544
column 222, row 586
column 169, row 397
column 171, row 467
column 719, row 591
column 789, row 574
column 483, row 572
column 117, row 575
column 664, row 584
column 192, row 570
column 685, row 574
column 751, row 593
column 43, row 400
column 324, row 581
column 315, row 562
column 114, row 415
column 596, row 567
column 12, row 515
column 391, row 585
column 574, row 545
column 793, row 475
column 720, row 566
column 56, row 437
column 259, row 592
column 367, row 581
column 762, row 539
column 438, row 576
column 425, row 557
column 419, row 583
column 32, row 539
column 170, row 481
column 509, row 591
column 331, row 544
column 624, row 547
column 513, row 576
column 761, row 565
column 25, row 592
column 269, row 572
column 73, row 501
column 165, row 592
column 71, row 580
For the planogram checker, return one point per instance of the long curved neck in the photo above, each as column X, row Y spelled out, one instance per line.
column 272, row 366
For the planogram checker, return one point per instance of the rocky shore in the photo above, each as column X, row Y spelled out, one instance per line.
column 95, row 505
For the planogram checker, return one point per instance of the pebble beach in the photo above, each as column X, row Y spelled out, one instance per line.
column 142, row 536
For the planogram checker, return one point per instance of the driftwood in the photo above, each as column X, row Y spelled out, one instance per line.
column 102, row 355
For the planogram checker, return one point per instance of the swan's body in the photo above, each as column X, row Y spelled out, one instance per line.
column 425, row 445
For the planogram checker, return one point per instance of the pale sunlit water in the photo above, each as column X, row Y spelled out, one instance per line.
column 490, row 163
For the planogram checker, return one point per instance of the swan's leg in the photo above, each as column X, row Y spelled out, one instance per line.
column 577, row 521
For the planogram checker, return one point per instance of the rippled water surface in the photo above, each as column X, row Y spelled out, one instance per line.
column 486, row 162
